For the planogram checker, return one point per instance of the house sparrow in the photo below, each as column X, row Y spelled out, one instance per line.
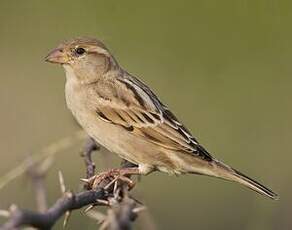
column 124, row 115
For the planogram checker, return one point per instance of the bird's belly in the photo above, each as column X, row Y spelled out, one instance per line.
column 116, row 139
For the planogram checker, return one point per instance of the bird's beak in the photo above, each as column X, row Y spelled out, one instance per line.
column 57, row 56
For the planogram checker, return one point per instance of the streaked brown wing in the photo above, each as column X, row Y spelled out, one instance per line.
column 147, row 117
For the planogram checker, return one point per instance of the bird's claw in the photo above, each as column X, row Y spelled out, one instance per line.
column 108, row 179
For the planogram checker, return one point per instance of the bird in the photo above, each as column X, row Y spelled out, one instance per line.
column 120, row 112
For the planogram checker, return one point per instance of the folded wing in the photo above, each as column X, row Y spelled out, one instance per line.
column 137, row 109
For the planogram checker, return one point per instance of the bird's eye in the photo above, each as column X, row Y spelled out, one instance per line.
column 79, row 51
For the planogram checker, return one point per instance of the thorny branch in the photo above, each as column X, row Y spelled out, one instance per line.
column 90, row 146
column 69, row 201
column 122, row 209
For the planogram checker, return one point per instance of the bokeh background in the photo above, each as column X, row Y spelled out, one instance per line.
column 224, row 67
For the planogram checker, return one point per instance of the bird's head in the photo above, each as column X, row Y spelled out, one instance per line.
column 88, row 58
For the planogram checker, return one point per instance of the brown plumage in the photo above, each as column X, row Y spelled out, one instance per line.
column 123, row 114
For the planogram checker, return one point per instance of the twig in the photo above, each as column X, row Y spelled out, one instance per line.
column 90, row 146
column 122, row 216
column 45, row 220
column 122, row 209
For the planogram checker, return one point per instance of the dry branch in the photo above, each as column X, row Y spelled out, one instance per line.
column 90, row 146
column 122, row 209
column 22, row 217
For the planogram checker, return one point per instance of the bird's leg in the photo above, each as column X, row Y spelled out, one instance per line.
column 127, row 164
column 106, row 179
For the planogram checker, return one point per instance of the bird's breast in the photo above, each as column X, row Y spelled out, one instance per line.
column 83, row 106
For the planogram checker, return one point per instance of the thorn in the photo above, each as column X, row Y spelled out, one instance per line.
column 139, row 209
column 128, row 181
column 85, row 180
column 5, row 213
column 115, row 187
column 89, row 208
column 62, row 183
column 66, row 219
column 110, row 183
column 105, row 202
column 117, row 193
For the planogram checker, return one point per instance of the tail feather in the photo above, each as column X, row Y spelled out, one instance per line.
column 256, row 186
column 231, row 174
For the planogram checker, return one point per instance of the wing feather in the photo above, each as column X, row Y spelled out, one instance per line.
column 145, row 116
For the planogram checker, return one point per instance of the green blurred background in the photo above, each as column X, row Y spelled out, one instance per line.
column 224, row 67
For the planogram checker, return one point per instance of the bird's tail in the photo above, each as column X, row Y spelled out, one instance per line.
column 219, row 169
column 254, row 185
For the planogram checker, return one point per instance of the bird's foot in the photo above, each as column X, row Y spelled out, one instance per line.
column 107, row 180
